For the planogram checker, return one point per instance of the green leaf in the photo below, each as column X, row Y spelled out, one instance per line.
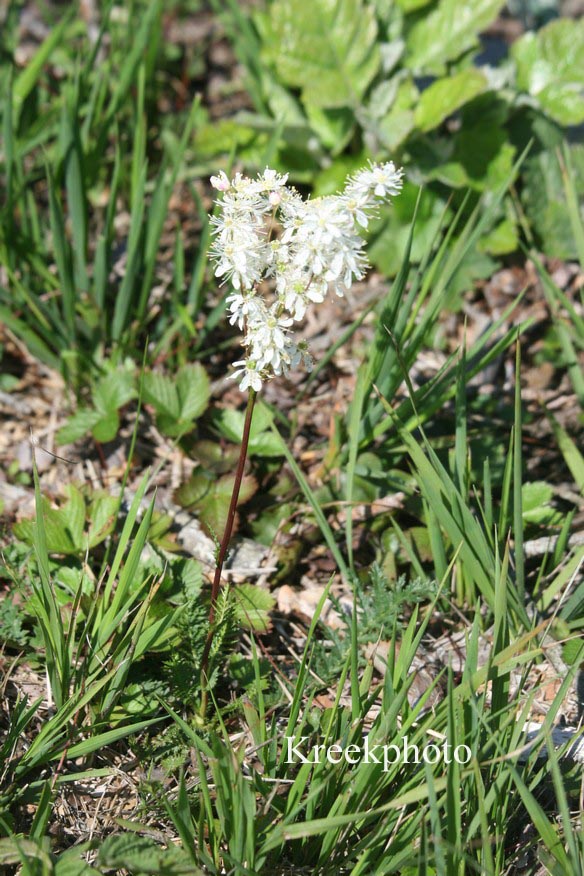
column 78, row 425
column 215, row 506
column 113, row 391
column 447, row 95
column 194, row 490
column 550, row 67
column 334, row 126
column 71, row 863
column 216, row 457
column 503, row 239
column 447, row 32
column 161, row 392
column 327, row 48
column 193, row 391
column 396, row 125
column 536, row 498
column 27, row 79
column 64, row 526
column 252, row 607
column 544, row 201
column 106, row 427
column 141, row 855
column 572, row 455
column 261, row 442
column 103, row 510
column 179, row 401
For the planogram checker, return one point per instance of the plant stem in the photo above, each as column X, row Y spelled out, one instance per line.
column 216, row 588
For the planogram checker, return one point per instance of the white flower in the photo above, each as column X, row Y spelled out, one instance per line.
column 244, row 306
column 266, row 338
column 221, row 182
column 319, row 248
column 380, row 180
column 251, row 377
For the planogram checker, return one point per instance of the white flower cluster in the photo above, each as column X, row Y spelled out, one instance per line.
column 265, row 231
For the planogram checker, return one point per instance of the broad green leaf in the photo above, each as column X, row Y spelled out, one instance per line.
column 545, row 203
column 113, row 391
column 178, row 401
column 194, row 490
column 160, row 391
column 333, row 126
column 252, row 606
column 396, row 124
column 447, row 95
column 71, row 863
column 550, row 66
column 193, row 388
column 536, row 499
column 142, row 855
column 261, row 442
column 214, row 456
column 224, row 487
column 64, row 526
column 481, row 146
column 214, row 506
column 106, row 427
column 503, row 239
column 78, row 425
column 327, row 48
column 447, row 32
column 102, row 513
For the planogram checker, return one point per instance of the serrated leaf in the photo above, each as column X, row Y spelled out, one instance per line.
column 544, row 201
column 447, row 32
column 177, row 401
column 252, row 607
column 113, row 391
column 102, row 517
column 214, row 456
column 64, row 526
column 214, row 507
column 550, row 66
column 249, row 485
column 78, row 425
column 194, row 490
column 141, row 855
column 536, row 497
column 398, row 122
column 447, row 95
column 334, row 126
column 71, row 516
column 191, row 577
column 327, row 48
column 106, row 427
column 194, row 389
column 161, row 392
column 262, row 441
column 70, row 863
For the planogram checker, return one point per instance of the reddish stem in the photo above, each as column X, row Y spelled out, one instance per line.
column 216, row 588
